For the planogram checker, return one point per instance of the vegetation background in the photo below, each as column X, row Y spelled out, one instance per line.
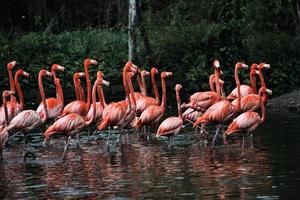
column 177, row 35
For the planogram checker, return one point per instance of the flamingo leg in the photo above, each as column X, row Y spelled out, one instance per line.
column 251, row 137
column 243, row 143
column 108, row 135
column 24, row 147
column 68, row 138
column 170, row 141
column 217, row 132
column 77, row 141
column 13, row 135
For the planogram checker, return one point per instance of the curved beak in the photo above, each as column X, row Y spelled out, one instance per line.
column 48, row 73
column 81, row 74
column 61, row 68
column 94, row 62
column 26, row 74
column 245, row 66
column 267, row 66
column 169, row 73
column 270, row 92
column 104, row 82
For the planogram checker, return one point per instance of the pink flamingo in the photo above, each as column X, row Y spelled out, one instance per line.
column 28, row 120
column 172, row 125
column 4, row 134
column 203, row 100
column 99, row 105
column 79, row 92
column 81, row 107
column 246, row 89
column 251, row 101
column 71, row 124
column 114, row 112
column 13, row 107
column 222, row 111
column 10, row 66
column 152, row 114
column 248, row 121
column 54, row 105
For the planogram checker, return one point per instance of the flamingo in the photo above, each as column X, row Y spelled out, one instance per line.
column 172, row 125
column 248, row 121
column 251, row 101
column 99, row 105
column 223, row 110
column 28, row 120
column 246, row 89
column 10, row 66
column 70, row 125
column 13, row 107
column 80, row 96
column 54, row 105
column 114, row 112
column 152, row 114
column 81, row 107
column 204, row 100
column 4, row 134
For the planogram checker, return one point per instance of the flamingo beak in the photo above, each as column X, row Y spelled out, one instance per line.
column 270, row 92
column 94, row 62
column 26, row 74
column 267, row 66
column 104, row 82
column 11, row 92
column 245, row 66
column 221, row 72
column 169, row 73
column 81, row 74
column 48, row 73
column 61, row 68
column 257, row 72
column 13, row 63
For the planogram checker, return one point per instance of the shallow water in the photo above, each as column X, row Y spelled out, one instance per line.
column 150, row 170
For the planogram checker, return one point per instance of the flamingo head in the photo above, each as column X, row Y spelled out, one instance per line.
column 7, row 93
column 145, row 73
column 166, row 74
column 88, row 62
column 264, row 66
column 240, row 65
column 216, row 64
column 11, row 65
column 100, row 76
column 56, row 67
column 154, row 71
column 26, row 74
column 178, row 87
column 263, row 90
column 44, row 72
column 130, row 67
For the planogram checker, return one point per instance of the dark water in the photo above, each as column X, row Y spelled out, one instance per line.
column 150, row 170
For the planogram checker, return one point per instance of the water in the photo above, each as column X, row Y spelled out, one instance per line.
column 150, row 170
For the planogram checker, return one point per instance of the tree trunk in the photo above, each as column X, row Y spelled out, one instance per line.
column 132, row 22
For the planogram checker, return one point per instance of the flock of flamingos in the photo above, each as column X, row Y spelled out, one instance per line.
column 138, row 110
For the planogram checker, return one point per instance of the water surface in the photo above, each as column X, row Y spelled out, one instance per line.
column 150, row 170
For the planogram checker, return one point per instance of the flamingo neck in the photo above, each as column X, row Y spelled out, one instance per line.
column 144, row 86
column 262, row 107
column 80, row 96
column 164, row 93
column 263, row 84
column 238, row 86
column 5, row 110
column 253, row 82
column 155, row 89
column 131, row 92
column 217, row 82
column 100, row 93
column 59, row 91
column 211, row 83
column 125, row 84
column 178, row 103
column 19, row 91
column 12, row 84
column 139, row 80
column 90, row 120
column 88, row 85
column 42, row 93
column 103, row 98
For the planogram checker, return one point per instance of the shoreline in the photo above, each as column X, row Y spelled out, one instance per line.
column 289, row 101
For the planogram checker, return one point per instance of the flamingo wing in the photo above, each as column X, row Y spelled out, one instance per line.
column 169, row 125
column 27, row 119
column 54, row 107
column 247, row 122
column 244, row 89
